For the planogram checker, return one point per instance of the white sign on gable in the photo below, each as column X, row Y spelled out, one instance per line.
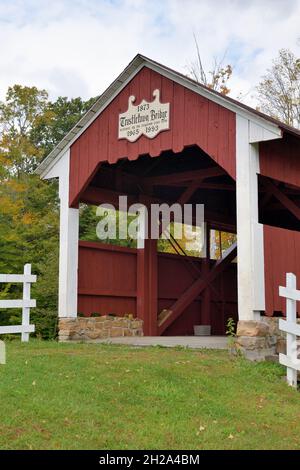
column 147, row 119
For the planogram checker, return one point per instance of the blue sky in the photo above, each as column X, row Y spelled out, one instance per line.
column 76, row 48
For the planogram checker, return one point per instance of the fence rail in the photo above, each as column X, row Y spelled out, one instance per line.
column 25, row 303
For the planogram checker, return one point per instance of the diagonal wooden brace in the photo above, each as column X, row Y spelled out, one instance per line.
column 196, row 288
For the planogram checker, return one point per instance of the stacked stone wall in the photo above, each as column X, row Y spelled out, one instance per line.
column 95, row 328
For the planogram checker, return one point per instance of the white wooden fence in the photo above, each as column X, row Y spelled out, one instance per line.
column 25, row 303
column 291, row 328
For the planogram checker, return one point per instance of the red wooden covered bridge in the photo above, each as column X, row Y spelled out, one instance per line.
column 241, row 164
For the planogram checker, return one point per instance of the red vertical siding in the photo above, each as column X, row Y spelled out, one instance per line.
column 282, row 255
column 106, row 279
column 107, row 283
column 194, row 120
column 280, row 159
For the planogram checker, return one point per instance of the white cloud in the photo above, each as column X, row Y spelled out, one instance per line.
column 76, row 48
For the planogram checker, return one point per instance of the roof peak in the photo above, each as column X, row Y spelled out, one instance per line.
column 136, row 64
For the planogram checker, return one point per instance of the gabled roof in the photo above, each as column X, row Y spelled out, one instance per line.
column 126, row 76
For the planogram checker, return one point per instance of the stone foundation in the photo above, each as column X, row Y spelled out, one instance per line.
column 259, row 339
column 95, row 328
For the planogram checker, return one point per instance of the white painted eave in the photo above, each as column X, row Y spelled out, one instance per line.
column 102, row 102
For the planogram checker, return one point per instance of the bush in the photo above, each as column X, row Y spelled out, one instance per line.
column 46, row 323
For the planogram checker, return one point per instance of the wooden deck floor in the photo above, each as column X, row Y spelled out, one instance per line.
column 194, row 342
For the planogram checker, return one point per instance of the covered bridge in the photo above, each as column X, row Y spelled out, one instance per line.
column 241, row 164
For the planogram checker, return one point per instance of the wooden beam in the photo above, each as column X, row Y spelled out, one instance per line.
column 282, row 198
column 264, row 201
column 231, row 228
column 188, row 193
column 267, row 196
column 183, row 176
column 205, row 300
column 147, row 287
column 195, row 271
column 96, row 196
column 202, row 185
column 291, row 192
column 206, row 297
column 217, row 186
column 274, row 206
column 116, row 173
column 106, row 292
column 196, row 288
column 147, row 283
column 189, row 263
column 217, row 219
column 105, row 246
column 180, row 251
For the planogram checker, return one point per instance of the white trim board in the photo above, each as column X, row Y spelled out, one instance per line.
column 250, row 236
column 103, row 101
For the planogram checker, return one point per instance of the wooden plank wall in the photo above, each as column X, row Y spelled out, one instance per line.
column 282, row 255
column 107, row 281
column 194, row 120
column 280, row 159
column 223, row 300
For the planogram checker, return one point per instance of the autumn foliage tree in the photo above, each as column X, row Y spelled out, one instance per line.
column 30, row 126
column 217, row 78
column 279, row 89
column 23, row 108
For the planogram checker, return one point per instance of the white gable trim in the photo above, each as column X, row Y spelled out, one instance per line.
column 258, row 133
column 264, row 129
column 104, row 101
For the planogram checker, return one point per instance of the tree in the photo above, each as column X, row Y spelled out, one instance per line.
column 220, row 242
column 62, row 115
column 23, row 108
column 29, row 234
column 279, row 89
column 217, row 78
column 29, row 218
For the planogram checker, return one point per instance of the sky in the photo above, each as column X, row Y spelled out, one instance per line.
column 78, row 47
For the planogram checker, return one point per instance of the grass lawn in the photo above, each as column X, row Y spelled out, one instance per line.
column 84, row 396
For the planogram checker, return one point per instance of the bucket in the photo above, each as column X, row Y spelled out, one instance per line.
column 202, row 330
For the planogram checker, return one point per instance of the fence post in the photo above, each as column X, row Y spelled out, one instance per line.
column 2, row 353
column 25, row 303
column 291, row 317
column 26, row 297
column 291, row 328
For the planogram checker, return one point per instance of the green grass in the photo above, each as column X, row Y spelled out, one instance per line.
column 84, row 396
